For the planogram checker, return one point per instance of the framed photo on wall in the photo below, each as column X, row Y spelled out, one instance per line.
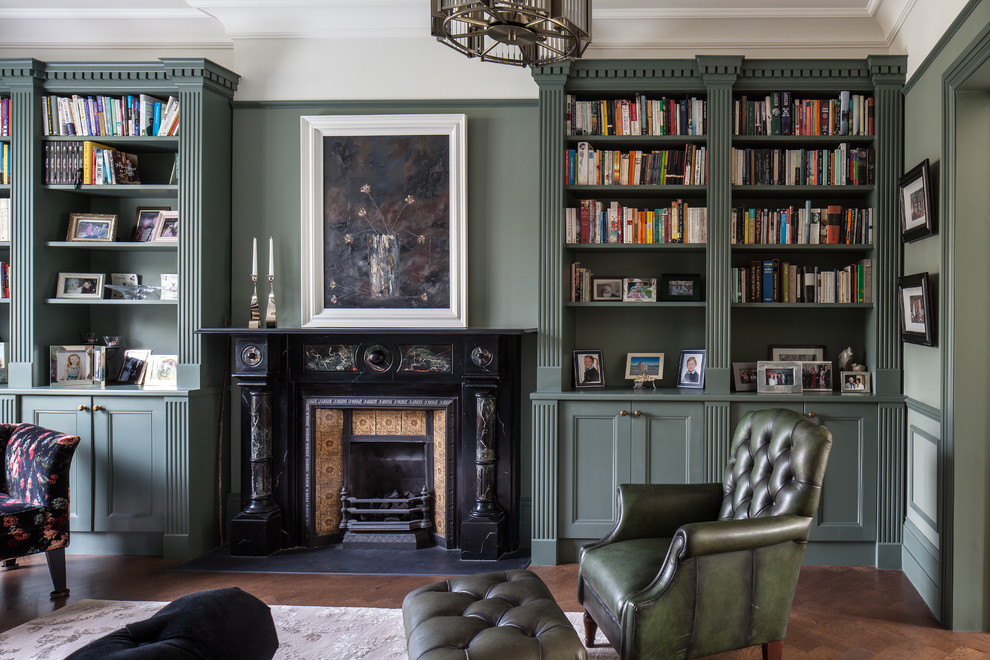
column 589, row 369
column 917, row 203
column 914, row 301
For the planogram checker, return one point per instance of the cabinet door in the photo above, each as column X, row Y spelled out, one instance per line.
column 594, row 459
column 129, row 447
column 69, row 414
column 670, row 439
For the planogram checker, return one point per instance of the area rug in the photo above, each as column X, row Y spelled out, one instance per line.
column 304, row 633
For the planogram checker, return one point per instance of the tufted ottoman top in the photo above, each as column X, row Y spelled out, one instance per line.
column 497, row 616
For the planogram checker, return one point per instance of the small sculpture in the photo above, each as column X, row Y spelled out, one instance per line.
column 133, row 291
column 846, row 363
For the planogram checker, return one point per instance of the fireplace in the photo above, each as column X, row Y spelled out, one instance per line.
column 381, row 438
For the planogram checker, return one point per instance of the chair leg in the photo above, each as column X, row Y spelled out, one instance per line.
column 774, row 650
column 56, row 566
column 10, row 564
column 590, row 629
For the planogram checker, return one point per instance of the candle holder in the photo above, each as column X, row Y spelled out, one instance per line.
column 255, row 309
column 270, row 321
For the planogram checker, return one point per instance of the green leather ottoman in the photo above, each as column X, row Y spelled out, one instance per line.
column 490, row 616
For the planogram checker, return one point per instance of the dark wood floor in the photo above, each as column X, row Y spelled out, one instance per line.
column 838, row 612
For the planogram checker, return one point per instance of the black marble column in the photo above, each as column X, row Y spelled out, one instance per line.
column 255, row 530
column 483, row 532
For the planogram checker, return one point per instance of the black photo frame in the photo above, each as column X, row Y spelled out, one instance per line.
column 688, row 376
column 680, row 287
column 589, row 375
column 914, row 304
column 917, row 203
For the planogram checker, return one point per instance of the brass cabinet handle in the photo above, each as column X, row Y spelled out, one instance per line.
column 624, row 413
column 811, row 414
column 98, row 407
column 638, row 413
column 82, row 407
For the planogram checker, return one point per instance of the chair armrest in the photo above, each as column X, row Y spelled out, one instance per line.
column 658, row 510
column 38, row 462
column 708, row 538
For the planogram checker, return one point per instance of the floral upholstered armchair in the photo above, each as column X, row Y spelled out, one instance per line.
column 34, row 496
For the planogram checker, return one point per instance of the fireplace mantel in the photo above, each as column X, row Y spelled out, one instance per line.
column 283, row 371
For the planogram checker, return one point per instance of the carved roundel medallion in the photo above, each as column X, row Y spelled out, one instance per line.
column 251, row 356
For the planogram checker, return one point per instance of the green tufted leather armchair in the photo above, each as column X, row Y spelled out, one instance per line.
column 695, row 569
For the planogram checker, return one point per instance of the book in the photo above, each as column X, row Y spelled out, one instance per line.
column 125, row 167
column 4, row 219
column 146, row 114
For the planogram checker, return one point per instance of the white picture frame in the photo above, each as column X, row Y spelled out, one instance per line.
column 337, row 290
column 161, row 372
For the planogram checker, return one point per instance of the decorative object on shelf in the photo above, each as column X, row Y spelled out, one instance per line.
column 92, row 227
column 146, row 221
column 691, row 368
column 680, row 287
column 639, row 290
column 914, row 302
column 917, row 203
column 816, row 376
column 73, row 365
column 122, row 279
column 162, row 371
column 534, row 33
column 89, row 337
column 166, row 227
column 744, row 376
column 254, row 310
column 3, row 362
column 80, row 285
column 644, row 368
column 169, row 286
column 133, row 291
column 270, row 320
column 112, row 341
column 778, row 377
column 855, row 382
column 384, row 221
column 606, row 289
column 589, row 369
column 845, row 361
column 797, row 352
column 133, row 366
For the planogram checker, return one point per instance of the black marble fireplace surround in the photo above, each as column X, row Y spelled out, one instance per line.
column 469, row 378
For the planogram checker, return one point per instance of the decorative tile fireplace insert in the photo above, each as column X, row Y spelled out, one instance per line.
column 339, row 425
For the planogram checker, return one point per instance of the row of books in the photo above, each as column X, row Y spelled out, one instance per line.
column 636, row 116
column 841, row 166
column 90, row 163
column 5, row 116
column 133, row 114
column 778, row 113
column 5, row 164
column 594, row 222
column 581, row 283
column 4, row 219
column 587, row 166
column 776, row 281
column 5, row 280
column 832, row 225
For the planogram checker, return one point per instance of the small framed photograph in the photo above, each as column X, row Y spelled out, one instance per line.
column 93, row 227
column 77, row 365
column 144, row 225
column 691, row 368
column 855, row 382
column 917, row 203
column 797, row 353
column 778, row 377
column 122, row 279
column 744, row 376
column 680, row 287
column 915, row 304
column 645, row 366
column 639, row 290
column 589, row 369
column 80, row 285
column 162, row 371
column 167, row 227
column 606, row 288
column 133, row 366
column 816, row 376
column 170, row 286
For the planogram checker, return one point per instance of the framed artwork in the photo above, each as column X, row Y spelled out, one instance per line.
column 797, row 352
column 606, row 288
column 92, row 227
column 166, row 227
column 917, row 207
column 914, row 302
column 589, row 369
column 680, row 287
column 80, row 285
column 77, row 365
column 133, row 366
column 855, row 382
column 778, row 377
column 816, row 376
column 691, row 369
column 144, row 224
column 744, row 376
column 161, row 371
column 637, row 290
column 384, row 221
column 644, row 365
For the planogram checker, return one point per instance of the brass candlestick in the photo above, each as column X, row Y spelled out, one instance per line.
column 255, row 309
column 270, row 321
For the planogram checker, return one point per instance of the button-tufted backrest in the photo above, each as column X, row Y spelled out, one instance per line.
column 776, row 465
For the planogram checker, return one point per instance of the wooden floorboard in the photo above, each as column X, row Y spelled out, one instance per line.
column 839, row 613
